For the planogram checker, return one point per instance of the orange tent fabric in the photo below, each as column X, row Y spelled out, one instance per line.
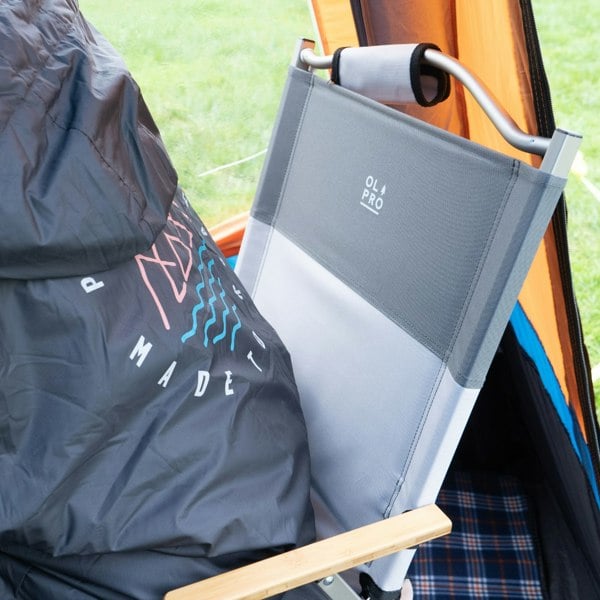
column 476, row 32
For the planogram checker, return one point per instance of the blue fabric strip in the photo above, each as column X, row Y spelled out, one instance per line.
column 531, row 343
column 232, row 261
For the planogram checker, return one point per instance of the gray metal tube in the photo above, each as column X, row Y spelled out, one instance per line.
column 503, row 122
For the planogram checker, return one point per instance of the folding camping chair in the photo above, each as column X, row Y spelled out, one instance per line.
column 388, row 255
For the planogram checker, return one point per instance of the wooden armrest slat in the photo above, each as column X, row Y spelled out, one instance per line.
column 310, row 563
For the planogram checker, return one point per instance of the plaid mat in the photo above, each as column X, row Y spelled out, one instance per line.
column 490, row 554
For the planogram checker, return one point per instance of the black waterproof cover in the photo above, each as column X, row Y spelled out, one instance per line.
column 150, row 431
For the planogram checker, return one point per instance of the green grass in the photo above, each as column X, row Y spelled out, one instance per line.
column 212, row 71
column 568, row 31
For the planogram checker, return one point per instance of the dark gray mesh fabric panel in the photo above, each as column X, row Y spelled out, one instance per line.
column 427, row 226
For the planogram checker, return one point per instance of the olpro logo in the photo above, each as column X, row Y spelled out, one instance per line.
column 372, row 195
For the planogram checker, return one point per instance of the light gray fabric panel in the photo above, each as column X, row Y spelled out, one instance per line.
column 369, row 392
column 438, row 439
column 253, row 253
column 365, row 385
column 406, row 215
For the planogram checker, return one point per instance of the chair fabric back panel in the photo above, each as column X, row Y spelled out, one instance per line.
column 388, row 255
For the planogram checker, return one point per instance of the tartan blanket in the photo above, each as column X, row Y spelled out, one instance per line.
column 490, row 554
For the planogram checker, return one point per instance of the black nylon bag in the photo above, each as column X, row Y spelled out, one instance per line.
column 150, row 431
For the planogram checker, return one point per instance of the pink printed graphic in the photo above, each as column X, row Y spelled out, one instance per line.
column 171, row 257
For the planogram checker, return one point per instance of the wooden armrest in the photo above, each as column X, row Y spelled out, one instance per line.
column 310, row 563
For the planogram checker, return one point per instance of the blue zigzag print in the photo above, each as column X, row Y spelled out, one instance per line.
column 223, row 333
column 211, row 302
column 216, row 292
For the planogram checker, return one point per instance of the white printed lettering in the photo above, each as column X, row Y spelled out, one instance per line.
column 89, row 284
column 250, row 357
column 238, row 293
column 203, row 379
column 140, row 351
column 372, row 195
column 164, row 380
column 261, row 343
column 228, row 389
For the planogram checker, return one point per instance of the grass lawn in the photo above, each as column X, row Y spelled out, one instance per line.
column 212, row 71
column 567, row 32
